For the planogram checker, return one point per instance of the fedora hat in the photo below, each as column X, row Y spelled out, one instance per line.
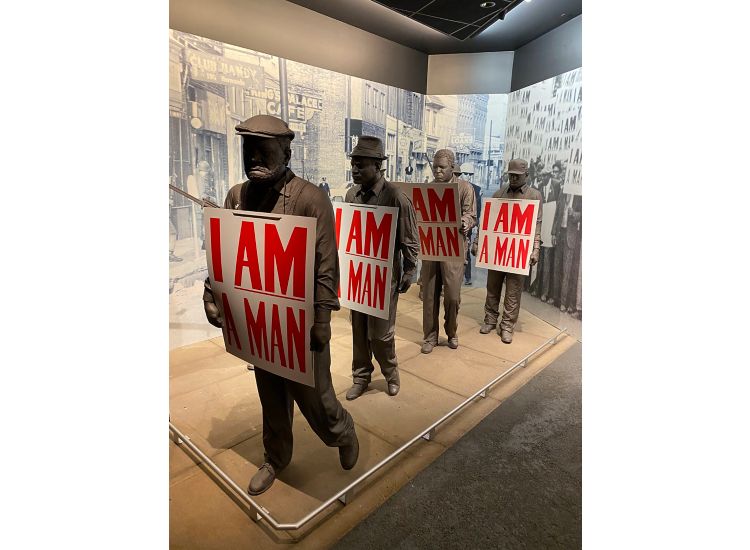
column 369, row 146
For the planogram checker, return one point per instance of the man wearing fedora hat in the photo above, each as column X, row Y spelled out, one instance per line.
column 373, row 336
column 517, row 188
column 272, row 187
column 446, row 276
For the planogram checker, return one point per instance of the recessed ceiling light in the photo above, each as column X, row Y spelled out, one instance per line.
column 487, row 5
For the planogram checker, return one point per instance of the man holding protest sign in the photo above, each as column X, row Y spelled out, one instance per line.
column 517, row 188
column 446, row 276
column 272, row 187
column 373, row 335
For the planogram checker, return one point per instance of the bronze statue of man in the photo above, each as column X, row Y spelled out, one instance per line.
column 272, row 187
column 446, row 277
column 373, row 335
column 517, row 188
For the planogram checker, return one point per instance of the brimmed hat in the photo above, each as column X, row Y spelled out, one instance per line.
column 518, row 166
column 369, row 146
column 265, row 126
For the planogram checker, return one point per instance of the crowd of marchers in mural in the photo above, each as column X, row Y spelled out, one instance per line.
column 215, row 86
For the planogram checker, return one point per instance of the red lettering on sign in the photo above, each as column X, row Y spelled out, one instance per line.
column 483, row 250
column 216, row 249
column 367, row 286
column 520, row 222
column 523, row 253
column 339, row 213
column 282, row 260
column 502, row 217
column 258, row 332
column 295, row 338
column 419, row 205
column 355, row 233
column 426, row 241
column 486, row 216
column 232, row 338
column 442, row 209
column 276, row 340
column 256, row 329
column 377, row 237
column 247, row 256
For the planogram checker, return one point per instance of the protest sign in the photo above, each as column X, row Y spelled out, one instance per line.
column 506, row 234
column 438, row 211
column 261, row 271
column 365, row 237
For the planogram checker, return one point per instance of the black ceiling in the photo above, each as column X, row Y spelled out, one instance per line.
column 451, row 26
column 461, row 20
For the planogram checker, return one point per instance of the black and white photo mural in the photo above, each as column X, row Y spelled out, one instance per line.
column 544, row 127
column 214, row 86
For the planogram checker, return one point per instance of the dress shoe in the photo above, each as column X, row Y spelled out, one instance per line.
column 393, row 388
column 262, row 479
column 562, row 308
column 357, row 389
column 506, row 336
column 576, row 314
column 486, row 328
column 543, row 298
column 349, row 454
column 427, row 347
column 467, row 283
column 453, row 342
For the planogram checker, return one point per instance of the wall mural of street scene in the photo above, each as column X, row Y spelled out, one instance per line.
column 214, row 86
column 544, row 127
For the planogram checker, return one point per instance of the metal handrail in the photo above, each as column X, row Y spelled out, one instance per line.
column 344, row 493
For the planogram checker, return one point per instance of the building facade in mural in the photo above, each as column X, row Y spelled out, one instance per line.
column 214, row 86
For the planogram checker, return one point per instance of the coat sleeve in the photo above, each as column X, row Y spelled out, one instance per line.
column 406, row 232
column 468, row 205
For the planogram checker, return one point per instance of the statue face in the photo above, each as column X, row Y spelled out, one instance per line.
column 365, row 171
column 517, row 180
column 443, row 169
column 264, row 159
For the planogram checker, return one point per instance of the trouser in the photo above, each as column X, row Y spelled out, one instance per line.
column 557, row 272
column 544, row 270
column 512, row 302
column 571, row 259
column 579, row 304
column 375, row 336
column 467, row 265
column 319, row 405
column 437, row 276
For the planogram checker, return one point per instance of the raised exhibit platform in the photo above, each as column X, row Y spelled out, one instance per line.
column 213, row 400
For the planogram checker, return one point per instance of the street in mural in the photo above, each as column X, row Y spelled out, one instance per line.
column 214, row 86
column 544, row 127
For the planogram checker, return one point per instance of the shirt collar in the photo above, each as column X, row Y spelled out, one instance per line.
column 522, row 190
column 374, row 190
column 280, row 184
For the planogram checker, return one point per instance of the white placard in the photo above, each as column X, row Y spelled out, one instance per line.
column 365, row 238
column 438, row 212
column 506, row 234
column 261, row 271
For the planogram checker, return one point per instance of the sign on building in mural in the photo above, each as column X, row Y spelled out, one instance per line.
column 506, row 234
column 365, row 240
column 261, row 271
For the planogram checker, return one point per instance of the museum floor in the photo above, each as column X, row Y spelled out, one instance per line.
column 213, row 401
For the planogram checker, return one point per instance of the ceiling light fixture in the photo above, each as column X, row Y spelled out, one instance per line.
column 487, row 5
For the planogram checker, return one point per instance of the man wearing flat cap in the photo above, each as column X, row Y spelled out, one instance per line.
column 272, row 187
column 446, row 277
column 516, row 188
column 373, row 336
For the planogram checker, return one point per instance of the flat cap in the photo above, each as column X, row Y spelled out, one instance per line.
column 265, row 126
column 518, row 166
